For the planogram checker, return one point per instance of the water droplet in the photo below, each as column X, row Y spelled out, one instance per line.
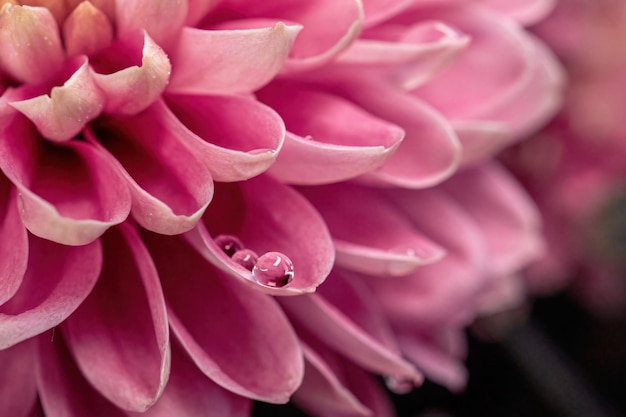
column 399, row 385
column 246, row 258
column 273, row 269
column 229, row 244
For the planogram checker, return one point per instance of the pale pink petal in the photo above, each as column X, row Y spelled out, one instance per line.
column 162, row 19
column 219, row 319
column 527, row 12
column 211, row 127
column 379, row 240
column 69, row 212
column 509, row 220
column 18, row 384
column 65, row 112
column 13, row 256
column 86, row 30
column 119, row 336
column 63, row 390
column 133, row 89
column 30, row 43
column 481, row 140
column 351, row 326
column 57, row 280
column 377, row 11
column 267, row 216
column 189, row 393
column 170, row 186
column 331, row 139
column 229, row 61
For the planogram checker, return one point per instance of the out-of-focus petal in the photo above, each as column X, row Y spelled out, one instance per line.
column 171, row 188
column 18, row 384
column 57, row 280
column 211, row 127
column 69, row 212
column 236, row 336
column 229, row 61
column 122, row 347
column 86, row 30
column 377, row 241
column 30, row 43
column 377, row 11
column 526, row 12
column 13, row 256
column 331, row 139
column 481, row 139
column 162, row 19
column 267, row 216
column 65, row 112
column 133, row 89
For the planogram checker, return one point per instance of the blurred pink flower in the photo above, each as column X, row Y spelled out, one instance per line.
column 116, row 118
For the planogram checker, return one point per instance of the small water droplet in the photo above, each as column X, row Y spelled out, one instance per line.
column 246, row 258
column 399, row 385
column 229, row 244
column 273, row 269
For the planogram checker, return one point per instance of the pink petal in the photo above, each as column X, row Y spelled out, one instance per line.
column 122, row 346
column 267, row 216
column 481, row 140
column 350, row 326
column 18, row 385
column 198, row 9
column 30, row 43
column 162, row 20
column 229, row 61
column 189, row 393
column 57, row 280
column 527, row 12
column 236, row 336
column 52, row 206
column 211, row 127
column 134, row 88
column 86, row 30
column 63, row 391
column 170, row 187
column 331, row 140
column 377, row 11
column 378, row 239
column 13, row 256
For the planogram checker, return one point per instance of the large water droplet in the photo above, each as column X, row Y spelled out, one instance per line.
column 229, row 244
column 246, row 258
column 399, row 385
column 273, row 269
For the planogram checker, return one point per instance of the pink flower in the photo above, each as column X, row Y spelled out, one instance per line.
column 134, row 141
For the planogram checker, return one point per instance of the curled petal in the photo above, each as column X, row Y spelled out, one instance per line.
column 229, row 61
column 211, row 127
column 331, row 139
column 133, row 89
column 57, row 280
column 30, row 43
column 18, row 385
column 86, row 30
column 63, row 114
column 162, row 19
column 127, row 361
column 267, row 216
column 71, row 212
column 377, row 241
column 218, row 320
column 170, row 186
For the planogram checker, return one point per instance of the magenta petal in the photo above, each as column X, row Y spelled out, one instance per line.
column 122, row 346
column 69, row 212
column 170, row 187
column 379, row 239
column 267, row 216
column 57, row 280
column 229, row 61
column 236, row 336
column 18, row 384
column 132, row 89
column 198, row 9
column 332, row 139
column 189, row 393
column 162, row 19
column 13, row 256
column 66, row 111
column 211, row 126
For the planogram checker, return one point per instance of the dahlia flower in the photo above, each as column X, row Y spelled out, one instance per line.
column 582, row 153
column 203, row 166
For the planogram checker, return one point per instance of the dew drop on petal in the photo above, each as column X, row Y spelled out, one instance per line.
column 399, row 385
column 246, row 258
column 229, row 244
column 273, row 269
